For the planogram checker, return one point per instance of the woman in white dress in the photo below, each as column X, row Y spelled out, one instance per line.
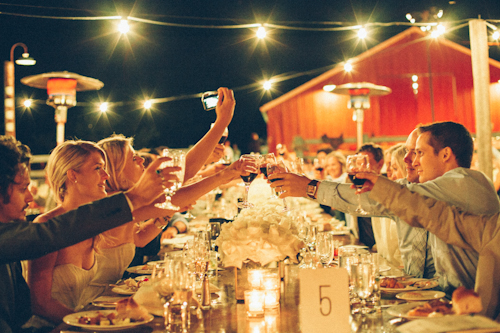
column 76, row 171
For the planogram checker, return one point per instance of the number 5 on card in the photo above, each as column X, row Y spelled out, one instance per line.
column 324, row 300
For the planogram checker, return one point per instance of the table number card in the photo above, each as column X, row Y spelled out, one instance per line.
column 324, row 300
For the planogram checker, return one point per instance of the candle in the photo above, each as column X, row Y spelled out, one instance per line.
column 254, row 302
column 271, row 281
column 255, row 278
column 272, row 299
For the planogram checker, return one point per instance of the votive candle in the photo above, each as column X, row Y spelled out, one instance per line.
column 272, row 298
column 255, row 278
column 254, row 302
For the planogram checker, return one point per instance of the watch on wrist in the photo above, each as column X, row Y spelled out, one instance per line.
column 312, row 188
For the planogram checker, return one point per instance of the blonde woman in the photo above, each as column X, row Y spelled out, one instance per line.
column 397, row 163
column 335, row 166
column 76, row 172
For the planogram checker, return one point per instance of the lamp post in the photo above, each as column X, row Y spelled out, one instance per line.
column 61, row 88
column 360, row 101
column 9, row 83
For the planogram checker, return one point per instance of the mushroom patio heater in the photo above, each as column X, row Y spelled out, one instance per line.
column 360, row 101
column 61, row 88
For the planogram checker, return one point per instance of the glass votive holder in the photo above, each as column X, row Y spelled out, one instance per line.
column 255, row 278
column 254, row 302
column 272, row 298
column 270, row 281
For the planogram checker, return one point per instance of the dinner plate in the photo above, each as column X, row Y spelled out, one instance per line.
column 72, row 319
column 142, row 269
column 412, row 284
column 123, row 290
column 402, row 310
column 384, row 268
column 142, row 278
column 107, row 301
column 421, row 295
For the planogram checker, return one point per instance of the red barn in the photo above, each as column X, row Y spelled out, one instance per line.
column 445, row 92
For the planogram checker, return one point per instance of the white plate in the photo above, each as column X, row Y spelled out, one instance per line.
column 123, row 291
column 401, row 310
column 384, row 268
column 72, row 319
column 355, row 246
column 410, row 285
column 106, row 301
column 141, row 278
column 139, row 270
column 421, row 295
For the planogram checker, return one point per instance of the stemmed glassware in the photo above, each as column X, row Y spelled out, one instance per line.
column 178, row 159
column 265, row 160
column 248, row 179
column 363, row 283
column 357, row 163
column 277, row 168
column 324, row 248
column 214, row 233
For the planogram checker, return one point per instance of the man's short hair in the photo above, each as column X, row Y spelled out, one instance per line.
column 375, row 149
column 450, row 134
column 13, row 155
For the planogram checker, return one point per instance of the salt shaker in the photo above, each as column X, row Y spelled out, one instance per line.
column 205, row 294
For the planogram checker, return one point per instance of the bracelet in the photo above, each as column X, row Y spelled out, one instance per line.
column 174, row 226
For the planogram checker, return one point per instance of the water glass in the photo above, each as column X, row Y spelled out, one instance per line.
column 363, row 283
column 324, row 248
column 178, row 159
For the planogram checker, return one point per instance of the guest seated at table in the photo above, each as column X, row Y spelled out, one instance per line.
column 335, row 170
column 397, row 165
column 76, row 171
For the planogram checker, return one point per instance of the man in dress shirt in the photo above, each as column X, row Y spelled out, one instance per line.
column 443, row 155
column 21, row 240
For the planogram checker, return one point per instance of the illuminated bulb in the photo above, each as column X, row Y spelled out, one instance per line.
column 414, row 78
column 495, row 35
column 440, row 13
column 103, row 107
column 409, row 17
column 412, row 20
column 362, row 33
column 441, row 29
column 329, row 87
column 27, row 103
column 148, row 104
column 423, row 28
column 261, row 32
column 348, row 67
column 267, row 85
column 414, row 86
column 123, row 27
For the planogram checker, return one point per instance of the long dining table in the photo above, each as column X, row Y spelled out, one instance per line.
column 227, row 314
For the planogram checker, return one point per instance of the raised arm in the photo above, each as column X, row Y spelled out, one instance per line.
column 198, row 155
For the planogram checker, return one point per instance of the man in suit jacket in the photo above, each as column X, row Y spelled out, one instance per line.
column 21, row 240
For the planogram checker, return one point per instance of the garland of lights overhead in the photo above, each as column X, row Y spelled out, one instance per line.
column 435, row 28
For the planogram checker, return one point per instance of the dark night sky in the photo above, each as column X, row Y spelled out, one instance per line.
column 160, row 61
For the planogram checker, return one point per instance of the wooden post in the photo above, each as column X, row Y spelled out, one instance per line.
column 481, row 79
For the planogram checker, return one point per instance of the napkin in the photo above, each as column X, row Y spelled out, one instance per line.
column 473, row 323
column 179, row 239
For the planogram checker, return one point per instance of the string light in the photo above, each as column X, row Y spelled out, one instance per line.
column 148, row 104
column 27, row 103
column 348, row 67
column 495, row 35
column 329, row 87
column 261, row 32
column 362, row 33
column 103, row 107
column 123, row 27
column 267, row 85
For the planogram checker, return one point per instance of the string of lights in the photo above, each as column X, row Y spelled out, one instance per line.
column 436, row 29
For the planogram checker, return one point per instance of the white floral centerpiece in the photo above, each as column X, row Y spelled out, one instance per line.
column 262, row 234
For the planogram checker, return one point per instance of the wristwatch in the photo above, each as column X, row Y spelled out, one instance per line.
column 312, row 188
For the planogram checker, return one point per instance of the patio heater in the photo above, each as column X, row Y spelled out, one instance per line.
column 360, row 101
column 61, row 89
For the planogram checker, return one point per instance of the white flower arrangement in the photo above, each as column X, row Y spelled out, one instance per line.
column 262, row 234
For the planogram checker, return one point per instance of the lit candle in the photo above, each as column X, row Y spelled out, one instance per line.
column 254, row 302
column 271, row 281
column 272, row 299
column 255, row 278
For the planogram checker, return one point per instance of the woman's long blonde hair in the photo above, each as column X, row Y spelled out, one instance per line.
column 69, row 155
column 115, row 148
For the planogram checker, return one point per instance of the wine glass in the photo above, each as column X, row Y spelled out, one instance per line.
column 248, row 179
column 214, row 233
column 277, row 168
column 363, row 283
column 357, row 163
column 178, row 159
column 324, row 247
column 265, row 160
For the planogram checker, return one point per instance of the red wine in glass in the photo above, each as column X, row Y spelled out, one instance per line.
column 249, row 178
column 263, row 169
column 358, row 182
column 222, row 140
